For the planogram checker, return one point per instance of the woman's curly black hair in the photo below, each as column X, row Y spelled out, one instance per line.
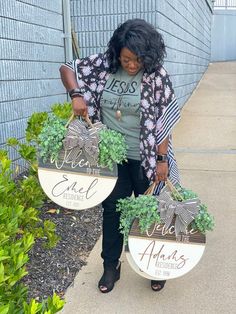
column 142, row 39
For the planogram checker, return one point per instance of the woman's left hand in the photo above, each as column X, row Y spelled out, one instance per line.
column 162, row 170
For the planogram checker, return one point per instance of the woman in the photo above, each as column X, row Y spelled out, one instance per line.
column 129, row 90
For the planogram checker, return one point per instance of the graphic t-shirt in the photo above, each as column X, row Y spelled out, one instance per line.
column 120, row 108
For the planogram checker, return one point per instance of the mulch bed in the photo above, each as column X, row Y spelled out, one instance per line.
column 54, row 269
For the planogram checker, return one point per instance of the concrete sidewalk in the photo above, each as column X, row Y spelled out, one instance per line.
column 205, row 145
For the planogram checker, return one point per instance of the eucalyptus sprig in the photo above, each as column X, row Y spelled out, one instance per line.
column 184, row 193
column 203, row 221
column 112, row 148
column 143, row 207
column 51, row 136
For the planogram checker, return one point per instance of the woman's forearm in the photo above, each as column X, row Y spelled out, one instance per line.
column 163, row 147
column 69, row 81
column 68, row 78
column 162, row 166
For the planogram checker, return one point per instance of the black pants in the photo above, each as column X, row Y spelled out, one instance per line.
column 131, row 178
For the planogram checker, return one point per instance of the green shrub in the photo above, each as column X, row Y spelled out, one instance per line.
column 63, row 111
column 19, row 225
column 35, row 125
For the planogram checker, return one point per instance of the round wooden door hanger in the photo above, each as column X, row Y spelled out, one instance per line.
column 72, row 183
column 159, row 254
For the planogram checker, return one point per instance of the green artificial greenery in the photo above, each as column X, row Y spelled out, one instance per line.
column 204, row 221
column 182, row 194
column 112, row 148
column 143, row 207
column 19, row 226
column 47, row 131
column 51, row 136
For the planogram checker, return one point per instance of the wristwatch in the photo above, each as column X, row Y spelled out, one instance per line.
column 75, row 92
column 162, row 158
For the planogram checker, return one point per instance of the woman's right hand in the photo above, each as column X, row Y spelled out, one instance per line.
column 79, row 107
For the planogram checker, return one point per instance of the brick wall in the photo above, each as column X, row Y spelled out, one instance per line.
column 32, row 49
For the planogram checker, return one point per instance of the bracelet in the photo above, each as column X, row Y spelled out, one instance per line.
column 75, row 96
column 162, row 158
column 75, row 92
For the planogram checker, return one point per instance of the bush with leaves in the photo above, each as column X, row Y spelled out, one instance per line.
column 27, row 152
column 19, row 225
column 52, row 305
column 62, row 111
column 27, row 193
column 34, row 126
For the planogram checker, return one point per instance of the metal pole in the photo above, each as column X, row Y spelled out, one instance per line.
column 67, row 30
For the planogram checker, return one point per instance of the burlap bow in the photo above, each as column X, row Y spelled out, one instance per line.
column 80, row 137
column 185, row 211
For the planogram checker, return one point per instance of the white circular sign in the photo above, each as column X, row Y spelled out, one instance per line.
column 160, row 255
column 135, row 267
column 72, row 183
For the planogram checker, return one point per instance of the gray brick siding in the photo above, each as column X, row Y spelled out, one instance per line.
column 32, row 49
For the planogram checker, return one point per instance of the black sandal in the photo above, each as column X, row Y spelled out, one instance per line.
column 160, row 283
column 109, row 277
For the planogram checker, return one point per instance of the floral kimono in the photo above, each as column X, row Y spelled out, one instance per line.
column 159, row 111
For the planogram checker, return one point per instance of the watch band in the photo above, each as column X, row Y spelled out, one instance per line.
column 162, row 158
column 75, row 92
